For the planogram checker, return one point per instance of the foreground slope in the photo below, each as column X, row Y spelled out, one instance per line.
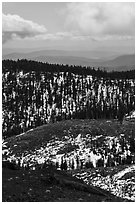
column 59, row 138
column 49, row 185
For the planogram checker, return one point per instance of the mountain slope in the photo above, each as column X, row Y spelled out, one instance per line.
column 40, row 136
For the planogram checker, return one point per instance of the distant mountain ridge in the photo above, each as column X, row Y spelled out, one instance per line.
column 120, row 63
column 95, row 54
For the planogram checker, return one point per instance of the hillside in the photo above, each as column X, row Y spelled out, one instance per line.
column 66, row 138
column 40, row 136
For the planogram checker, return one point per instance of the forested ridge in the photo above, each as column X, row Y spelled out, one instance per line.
column 29, row 65
column 35, row 93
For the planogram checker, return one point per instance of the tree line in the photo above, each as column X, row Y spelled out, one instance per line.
column 29, row 65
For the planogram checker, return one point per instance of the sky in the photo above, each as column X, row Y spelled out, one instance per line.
column 69, row 25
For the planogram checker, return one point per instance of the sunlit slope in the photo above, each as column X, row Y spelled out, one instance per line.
column 40, row 136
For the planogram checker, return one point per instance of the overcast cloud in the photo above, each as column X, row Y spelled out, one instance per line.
column 82, row 21
column 102, row 19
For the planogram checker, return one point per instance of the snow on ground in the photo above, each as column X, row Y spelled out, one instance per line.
column 130, row 116
column 115, row 184
column 124, row 188
column 122, row 173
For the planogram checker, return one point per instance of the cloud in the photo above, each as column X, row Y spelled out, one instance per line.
column 101, row 19
column 54, row 36
column 13, row 26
